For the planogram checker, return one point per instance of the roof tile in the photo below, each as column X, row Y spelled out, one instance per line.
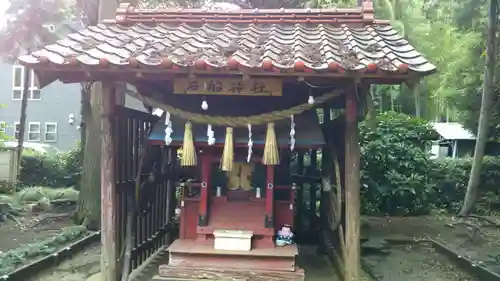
column 317, row 44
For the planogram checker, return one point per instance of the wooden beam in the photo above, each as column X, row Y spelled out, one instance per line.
column 83, row 73
column 352, row 192
column 109, row 268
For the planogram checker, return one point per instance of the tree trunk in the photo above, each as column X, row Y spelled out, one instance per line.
column 22, row 120
column 381, row 101
column 84, row 108
column 370, row 104
column 486, row 102
column 89, row 205
column 415, row 90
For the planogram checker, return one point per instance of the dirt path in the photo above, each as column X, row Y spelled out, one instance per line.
column 472, row 238
column 31, row 228
column 78, row 268
column 414, row 263
column 318, row 268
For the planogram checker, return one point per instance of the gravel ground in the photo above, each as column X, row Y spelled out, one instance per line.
column 418, row 262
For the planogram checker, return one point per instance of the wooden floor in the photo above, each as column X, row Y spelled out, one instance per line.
column 191, row 247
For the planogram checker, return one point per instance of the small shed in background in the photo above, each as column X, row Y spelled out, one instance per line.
column 8, row 168
column 454, row 140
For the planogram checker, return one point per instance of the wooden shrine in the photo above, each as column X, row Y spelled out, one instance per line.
column 239, row 94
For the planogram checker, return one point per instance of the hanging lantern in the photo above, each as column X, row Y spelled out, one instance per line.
column 204, row 105
column 310, row 100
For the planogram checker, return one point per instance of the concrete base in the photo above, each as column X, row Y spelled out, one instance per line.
column 233, row 240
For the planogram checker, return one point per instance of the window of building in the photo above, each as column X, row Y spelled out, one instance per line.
column 17, row 129
column 17, row 84
column 3, row 126
column 50, row 131
column 34, row 131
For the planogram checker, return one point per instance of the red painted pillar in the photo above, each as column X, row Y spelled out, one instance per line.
column 269, row 217
column 205, row 189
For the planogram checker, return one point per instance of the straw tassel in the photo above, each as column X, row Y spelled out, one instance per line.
column 226, row 163
column 188, row 151
column 271, row 154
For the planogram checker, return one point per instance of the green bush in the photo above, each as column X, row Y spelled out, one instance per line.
column 71, row 164
column 453, row 176
column 396, row 170
column 41, row 170
column 398, row 178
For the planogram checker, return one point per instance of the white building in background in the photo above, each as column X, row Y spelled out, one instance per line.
column 454, row 141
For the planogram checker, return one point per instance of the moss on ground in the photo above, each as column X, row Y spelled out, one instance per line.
column 34, row 194
column 13, row 259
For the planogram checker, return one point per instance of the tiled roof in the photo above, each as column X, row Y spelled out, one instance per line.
column 302, row 40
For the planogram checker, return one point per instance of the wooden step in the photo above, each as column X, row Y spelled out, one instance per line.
column 188, row 253
column 170, row 273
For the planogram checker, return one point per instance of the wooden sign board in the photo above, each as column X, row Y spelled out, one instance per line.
column 228, row 86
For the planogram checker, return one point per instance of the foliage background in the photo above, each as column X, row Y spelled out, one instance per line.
column 63, row 170
column 399, row 178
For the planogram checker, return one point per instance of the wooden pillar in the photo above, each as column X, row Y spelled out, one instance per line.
column 312, row 187
column 300, row 191
column 326, row 171
column 109, row 256
column 352, row 191
column 269, row 217
column 206, row 162
column 170, row 204
column 325, row 180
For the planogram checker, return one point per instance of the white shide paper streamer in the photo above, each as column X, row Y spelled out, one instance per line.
column 292, row 133
column 210, row 135
column 168, row 129
column 250, row 143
